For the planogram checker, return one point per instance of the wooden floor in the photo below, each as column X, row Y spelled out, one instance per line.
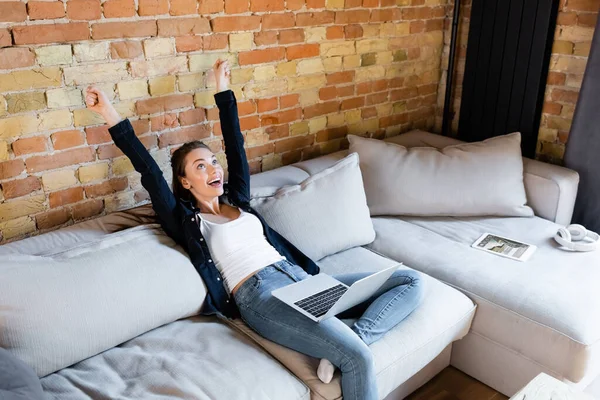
column 451, row 384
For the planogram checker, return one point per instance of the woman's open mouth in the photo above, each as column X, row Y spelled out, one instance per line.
column 216, row 183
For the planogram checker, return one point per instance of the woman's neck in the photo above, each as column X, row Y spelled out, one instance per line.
column 209, row 206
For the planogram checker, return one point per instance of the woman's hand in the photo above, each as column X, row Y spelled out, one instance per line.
column 96, row 100
column 222, row 75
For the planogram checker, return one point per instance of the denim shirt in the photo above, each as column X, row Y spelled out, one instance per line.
column 178, row 217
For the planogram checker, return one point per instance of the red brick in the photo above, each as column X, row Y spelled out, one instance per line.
column 434, row 25
column 311, row 152
column 377, row 98
column 164, row 121
column 364, row 87
column 404, row 94
column 265, row 38
column 293, row 143
column 278, row 21
column 353, row 31
column 328, row 93
column 302, row 51
column 396, row 82
column 291, row 157
column 254, row 166
column 315, row 3
column 588, row 20
column 332, row 134
column 87, row 209
column 427, row 89
column 294, row 4
column 164, row 103
column 237, row 6
column 192, row 117
column 583, row 5
column 5, row 38
column 11, row 168
column 127, row 49
column 112, row 151
column 45, row 9
column 12, row 11
column 353, row 3
column 340, row 77
column 183, row 26
column 51, row 33
column 370, row 3
column 282, row 117
column 417, row 13
column 87, row 10
column 385, row 15
column 383, row 84
column 212, row 114
column 216, row 41
column 50, row 219
column 184, row 44
column 321, row 109
column 232, row 24
column 217, row 129
column 114, row 30
column 368, row 112
column 335, row 32
column 277, row 131
column 352, row 17
column 183, row 7
column 66, row 139
column 314, row 18
column 246, row 108
column 355, row 102
column 289, row 100
column 153, row 7
column 565, row 96
column 291, row 36
column 119, row 8
column 259, row 151
column 248, row 123
column 393, row 120
column 58, row 160
column 345, row 91
column 266, row 5
column 67, row 196
column 99, row 134
column 261, row 56
column 16, row 58
column 184, row 135
column 417, row 26
column 210, row 6
column 552, row 108
column 20, row 187
column 267, row 104
column 29, row 145
column 105, row 188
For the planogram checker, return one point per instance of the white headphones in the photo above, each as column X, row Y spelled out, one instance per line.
column 576, row 237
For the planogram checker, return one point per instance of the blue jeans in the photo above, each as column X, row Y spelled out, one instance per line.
column 346, row 347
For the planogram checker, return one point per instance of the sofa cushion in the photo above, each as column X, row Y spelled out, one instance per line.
column 324, row 214
column 484, row 178
column 79, row 302
column 549, row 302
column 195, row 358
column 401, row 353
column 17, row 380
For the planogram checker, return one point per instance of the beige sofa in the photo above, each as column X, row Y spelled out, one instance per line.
column 530, row 317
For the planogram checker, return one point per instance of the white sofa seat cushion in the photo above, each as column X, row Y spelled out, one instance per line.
column 195, row 358
column 545, row 309
column 444, row 317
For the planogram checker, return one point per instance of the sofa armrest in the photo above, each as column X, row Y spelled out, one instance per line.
column 551, row 190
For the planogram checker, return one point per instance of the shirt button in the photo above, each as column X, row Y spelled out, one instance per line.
column 193, row 219
column 202, row 239
column 209, row 260
column 226, row 301
column 218, row 279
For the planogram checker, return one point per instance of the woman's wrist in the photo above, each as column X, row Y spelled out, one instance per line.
column 112, row 117
column 222, row 88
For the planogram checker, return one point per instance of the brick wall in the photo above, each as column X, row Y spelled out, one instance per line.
column 306, row 73
column 572, row 41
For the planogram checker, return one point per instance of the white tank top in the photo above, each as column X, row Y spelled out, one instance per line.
column 239, row 248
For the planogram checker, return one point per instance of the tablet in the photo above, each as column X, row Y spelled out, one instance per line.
column 504, row 247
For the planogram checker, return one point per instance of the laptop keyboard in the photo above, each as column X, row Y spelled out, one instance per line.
column 319, row 303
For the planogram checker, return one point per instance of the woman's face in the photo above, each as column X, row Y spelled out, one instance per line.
column 203, row 174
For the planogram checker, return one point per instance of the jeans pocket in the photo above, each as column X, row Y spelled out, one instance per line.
column 247, row 292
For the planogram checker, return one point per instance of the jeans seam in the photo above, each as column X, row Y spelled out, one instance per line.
column 389, row 303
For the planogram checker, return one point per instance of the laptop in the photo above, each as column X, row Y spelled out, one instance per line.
column 321, row 296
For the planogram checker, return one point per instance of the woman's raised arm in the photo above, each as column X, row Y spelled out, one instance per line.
column 237, row 163
column 121, row 131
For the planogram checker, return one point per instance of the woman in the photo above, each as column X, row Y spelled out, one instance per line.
column 241, row 259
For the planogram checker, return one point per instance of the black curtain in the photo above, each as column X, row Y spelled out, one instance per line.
column 583, row 147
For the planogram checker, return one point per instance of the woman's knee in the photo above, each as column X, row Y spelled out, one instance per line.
column 358, row 357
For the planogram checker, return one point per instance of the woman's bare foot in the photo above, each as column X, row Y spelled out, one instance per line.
column 325, row 370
